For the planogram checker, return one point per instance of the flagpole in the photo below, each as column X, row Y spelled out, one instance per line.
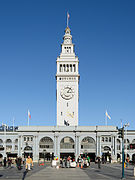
column 28, row 117
column 13, row 123
column 67, row 19
column 106, row 118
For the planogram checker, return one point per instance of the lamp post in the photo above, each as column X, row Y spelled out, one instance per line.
column 126, row 126
column 5, row 126
column 121, row 135
column 44, row 151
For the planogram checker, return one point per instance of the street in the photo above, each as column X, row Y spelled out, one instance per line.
column 107, row 171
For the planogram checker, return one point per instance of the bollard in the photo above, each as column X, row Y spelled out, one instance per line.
column 134, row 171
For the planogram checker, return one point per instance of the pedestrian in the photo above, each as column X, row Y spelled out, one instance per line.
column 110, row 159
column 29, row 162
column 1, row 161
column 5, row 162
column 99, row 163
column 79, row 161
column 19, row 163
column 88, row 158
column 9, row 162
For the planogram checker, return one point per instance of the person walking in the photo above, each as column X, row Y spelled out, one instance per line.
column 5, row 162
column 9, row 162
column 99, row 163
column 88, row 158
column 29, row 162
column 19, row 163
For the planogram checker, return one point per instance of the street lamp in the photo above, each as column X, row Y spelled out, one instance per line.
column 121, row 135
column 44, row 151
column 126, row 125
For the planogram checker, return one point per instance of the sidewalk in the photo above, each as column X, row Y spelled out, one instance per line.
column 50, row 173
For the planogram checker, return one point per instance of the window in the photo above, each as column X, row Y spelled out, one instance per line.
column 67, row 104
column 67, row 68
column 16, row 147
column 109, row 139
column 24, row 138
column 60, row 67
column 61, row 113
column 106, row 139
column 28, row 138
column 31, row 138
column 64, row 67
column 102, row 139
column 74, row 68
column 70, row 67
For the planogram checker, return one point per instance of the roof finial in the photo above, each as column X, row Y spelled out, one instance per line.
column 67, row 18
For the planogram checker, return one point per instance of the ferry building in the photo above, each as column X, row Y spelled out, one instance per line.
column 67, row 137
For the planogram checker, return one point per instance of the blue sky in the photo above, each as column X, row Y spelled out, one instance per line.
column 31, row 32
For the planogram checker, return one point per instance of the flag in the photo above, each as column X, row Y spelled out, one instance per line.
column 107, row 115
column 66, row 123
column 29, row 114
column 68, row 16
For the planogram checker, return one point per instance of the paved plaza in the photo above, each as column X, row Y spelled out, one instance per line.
column 107, row 171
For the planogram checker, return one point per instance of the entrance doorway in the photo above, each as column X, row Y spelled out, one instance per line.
column 13, row 155
column 66, row 155
column 26, row 154
column 46, row 156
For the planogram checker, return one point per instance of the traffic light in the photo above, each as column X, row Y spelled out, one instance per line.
column 121, row 133
column 132, row 146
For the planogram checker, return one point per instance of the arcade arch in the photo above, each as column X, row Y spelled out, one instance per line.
column 67, row 147
column 46, row 146
column 88, row 147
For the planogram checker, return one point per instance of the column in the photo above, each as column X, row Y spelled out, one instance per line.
column 76, row 147
column 19, row 146
column 96, row 145
column 99, row 146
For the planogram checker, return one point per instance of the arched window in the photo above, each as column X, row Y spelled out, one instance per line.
column 46, row 143
column 8, row 141
column 16, row 141
column 67, row 70
column 60, row 67
column 107, row 148
column 70, row 67
column 28, row 148
column 102, row 139
column 88, row 143
column 67, row 143
column 1, row 141
column 133, row 142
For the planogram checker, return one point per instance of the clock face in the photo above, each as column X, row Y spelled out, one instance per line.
column 67, row 92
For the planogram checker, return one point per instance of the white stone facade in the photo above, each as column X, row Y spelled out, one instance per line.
column 67, row 78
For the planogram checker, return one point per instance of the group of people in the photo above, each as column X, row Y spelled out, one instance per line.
column 83, row 161
column 7, row 162
column 66, row 162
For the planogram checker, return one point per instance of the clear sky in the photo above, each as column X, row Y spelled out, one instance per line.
column 31, row 33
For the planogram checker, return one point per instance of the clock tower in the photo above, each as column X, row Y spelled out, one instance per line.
column 67, row 78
